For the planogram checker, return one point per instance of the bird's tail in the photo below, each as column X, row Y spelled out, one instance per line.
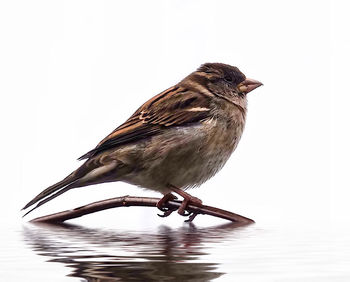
column 49, row 193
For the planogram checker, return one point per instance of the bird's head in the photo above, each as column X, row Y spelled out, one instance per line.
column 226, row 82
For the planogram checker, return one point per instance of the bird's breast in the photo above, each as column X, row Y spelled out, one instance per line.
column 187, row 156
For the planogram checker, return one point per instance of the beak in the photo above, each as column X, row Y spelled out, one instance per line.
column 248, row 85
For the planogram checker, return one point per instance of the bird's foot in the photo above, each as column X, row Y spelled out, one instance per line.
column 162, row 201
column 166, row 198
column 188, row 199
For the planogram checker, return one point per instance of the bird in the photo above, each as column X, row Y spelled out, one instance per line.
column 175, row 141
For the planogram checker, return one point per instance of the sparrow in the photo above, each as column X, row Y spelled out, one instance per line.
column 175, row 141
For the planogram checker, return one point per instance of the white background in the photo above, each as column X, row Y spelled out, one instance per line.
column 72, row 71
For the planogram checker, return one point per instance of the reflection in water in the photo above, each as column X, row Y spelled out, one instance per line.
column 103, row 255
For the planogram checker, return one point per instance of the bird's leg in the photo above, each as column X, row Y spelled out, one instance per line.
column 188, row 199
column 167, row 197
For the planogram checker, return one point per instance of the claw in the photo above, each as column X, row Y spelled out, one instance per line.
column 191, row 217
column 166, row 213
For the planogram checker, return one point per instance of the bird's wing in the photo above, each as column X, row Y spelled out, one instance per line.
column 173, row 107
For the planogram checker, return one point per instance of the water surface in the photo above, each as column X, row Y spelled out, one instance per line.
column 226, row 252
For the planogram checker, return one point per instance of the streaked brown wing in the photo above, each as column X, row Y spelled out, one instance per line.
column 175, row 106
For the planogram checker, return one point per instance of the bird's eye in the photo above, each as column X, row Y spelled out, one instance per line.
column 228, row 78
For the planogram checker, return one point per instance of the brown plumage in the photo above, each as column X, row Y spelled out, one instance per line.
column 176, row 140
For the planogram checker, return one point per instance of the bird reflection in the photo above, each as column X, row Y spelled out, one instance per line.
column 108, row 255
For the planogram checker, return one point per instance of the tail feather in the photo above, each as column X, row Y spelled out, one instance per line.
column 65, row 189
column 89, row 173
column 70, row 179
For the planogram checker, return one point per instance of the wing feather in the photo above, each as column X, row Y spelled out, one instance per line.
column 173, row 107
